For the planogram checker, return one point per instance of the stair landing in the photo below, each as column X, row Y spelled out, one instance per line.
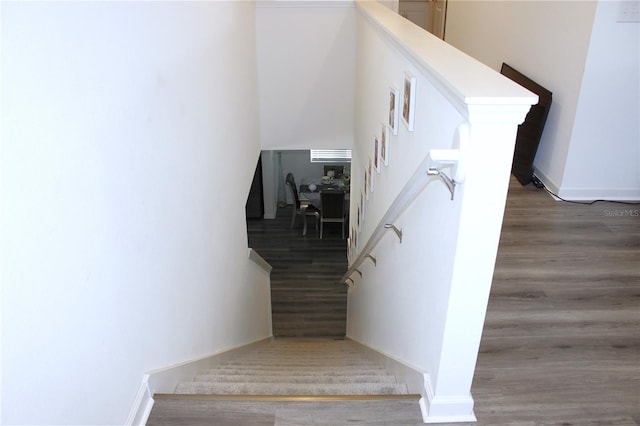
column 192, row 410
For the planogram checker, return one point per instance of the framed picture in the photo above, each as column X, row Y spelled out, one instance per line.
column 384, row 144
column 359, row 221
column 366, row 184
column 350, row 239
column 355, row 242
column 370, row 175
column 376, row 153
column 354, row 236
column 394, row 100
column 363, row 204
column 409, row 101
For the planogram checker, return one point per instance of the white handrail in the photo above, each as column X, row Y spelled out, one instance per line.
column 418, row 181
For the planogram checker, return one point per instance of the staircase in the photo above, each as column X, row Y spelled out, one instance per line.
column 309, row 375
column 307, row 297
column 325, row 381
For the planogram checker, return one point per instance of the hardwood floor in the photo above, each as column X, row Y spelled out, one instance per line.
column 307, row 298
column 561, row 341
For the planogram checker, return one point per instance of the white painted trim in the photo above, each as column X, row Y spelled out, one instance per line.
column 165, row 380
column 586, row 193
column 591, row 194
column 448, row 409
column 405, row 372
column 259, row 260
column 141, row 409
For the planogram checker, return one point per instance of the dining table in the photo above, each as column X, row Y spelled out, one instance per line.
column 311, row 197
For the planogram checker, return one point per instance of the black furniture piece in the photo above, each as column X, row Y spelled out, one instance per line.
column 254, row 208
column 338, row 171
column 332, row 209
column 308, row 210
column 530, row 131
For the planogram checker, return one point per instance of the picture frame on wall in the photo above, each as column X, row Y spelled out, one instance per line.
column 394, row 108
column 376, row 153
column 384, row 144
column 363, row 204
column 352, row 237
column 355, row 242
column 370, row 174
column 409, row 101
column 366, row 187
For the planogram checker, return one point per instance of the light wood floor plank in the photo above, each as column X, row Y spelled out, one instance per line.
column 561, row 341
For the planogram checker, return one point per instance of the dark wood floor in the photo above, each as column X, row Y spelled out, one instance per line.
column 307, row 298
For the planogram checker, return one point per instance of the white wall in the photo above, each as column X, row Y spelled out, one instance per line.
column 589, row 62
column 306, row 73
column 604, row 154
column 117, row 257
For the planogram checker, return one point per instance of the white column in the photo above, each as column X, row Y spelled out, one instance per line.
column 487, row 164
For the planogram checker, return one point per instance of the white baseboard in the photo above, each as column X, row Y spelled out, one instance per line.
column 587, row 193
column 142, row 405
column 449, row 409
column 259, row 260
column 165, row 380
column 591, row 194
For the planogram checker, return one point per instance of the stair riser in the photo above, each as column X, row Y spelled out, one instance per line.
column 327, row 371
column 301, row 364
column 290, row 389
column 218, row 378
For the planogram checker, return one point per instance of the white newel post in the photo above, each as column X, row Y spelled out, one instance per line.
column 487, row 162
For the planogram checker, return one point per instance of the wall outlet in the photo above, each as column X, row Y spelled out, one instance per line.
column 629, row 11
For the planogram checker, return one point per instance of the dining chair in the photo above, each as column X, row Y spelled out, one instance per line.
column 332, row 209
column 297, row 208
